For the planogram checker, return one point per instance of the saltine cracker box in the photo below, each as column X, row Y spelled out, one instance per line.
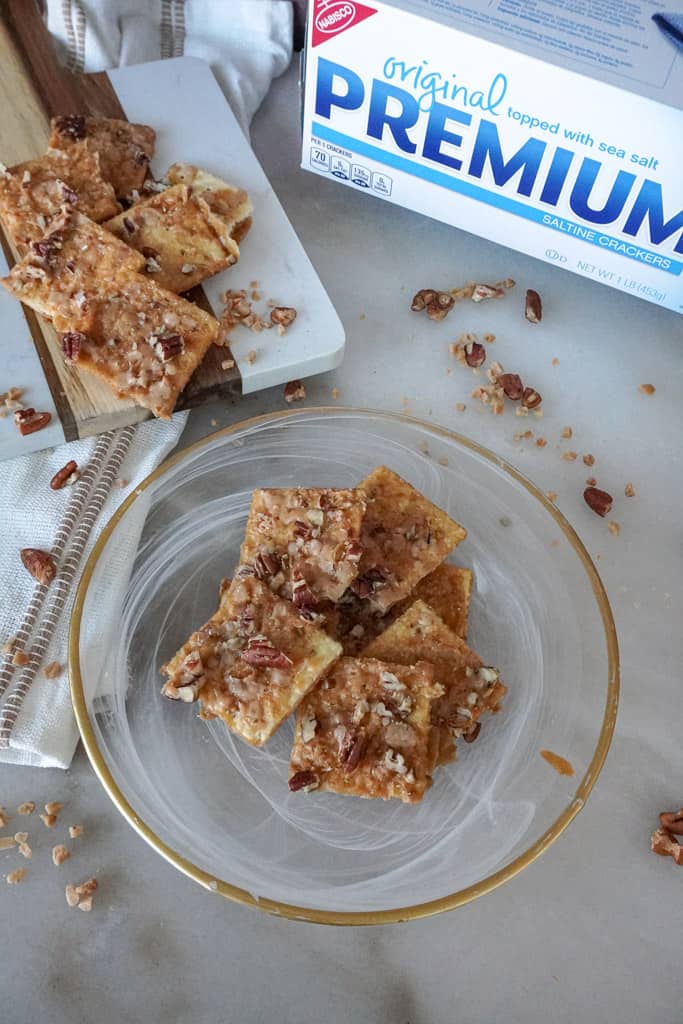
column 554, row 127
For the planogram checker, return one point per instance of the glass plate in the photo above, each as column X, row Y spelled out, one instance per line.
column 220, row 810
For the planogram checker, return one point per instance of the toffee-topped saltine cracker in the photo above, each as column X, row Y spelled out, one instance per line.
column 304, row 542
column 182, row 240
column 404, row 537
column 66, row 271
column 33, row 193
column 471, row 688
column 252, row 663
column 231, row 204
column 144, row 341
column 366, row 730
column 124, row 149
column 355, row 622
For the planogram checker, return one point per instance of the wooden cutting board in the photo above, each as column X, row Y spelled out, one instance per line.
column 182, row 101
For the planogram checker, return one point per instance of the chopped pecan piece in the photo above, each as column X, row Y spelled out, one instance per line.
column 475, row 354
column 598, row 501
column 305, row 780
column 71, row 345
column 352, row 750
column 672, row 821
column 40, row 564
column 29, row 421
column 531, row 399
column 169, row 347
column 259, row 652
column 71, row 126
column 533, row 307
column 471, row 735
column 283, row 315
column 64, row 476
column 437, row 304
column 511, row 383
column 294, row 391
column 665, row 845
column 368, row 583
column 487, row 291
column 46, row 249
column 266, row 565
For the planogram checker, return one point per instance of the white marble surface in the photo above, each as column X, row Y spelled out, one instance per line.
column 589, row 932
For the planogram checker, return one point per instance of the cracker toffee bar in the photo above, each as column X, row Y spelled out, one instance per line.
column 379, row 720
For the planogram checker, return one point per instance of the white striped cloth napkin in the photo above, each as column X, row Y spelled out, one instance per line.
column 248, row 43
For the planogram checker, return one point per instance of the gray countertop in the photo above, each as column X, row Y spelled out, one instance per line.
column 591, row 930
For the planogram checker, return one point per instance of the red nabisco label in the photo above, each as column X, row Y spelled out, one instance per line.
column 330, row 17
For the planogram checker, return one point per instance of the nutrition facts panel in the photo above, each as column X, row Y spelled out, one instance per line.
column 326, row 161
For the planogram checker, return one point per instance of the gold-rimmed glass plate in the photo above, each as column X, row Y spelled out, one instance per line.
column 220, row 810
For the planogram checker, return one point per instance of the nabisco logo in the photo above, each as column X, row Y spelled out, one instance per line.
column 333, row 16
column 336, row 17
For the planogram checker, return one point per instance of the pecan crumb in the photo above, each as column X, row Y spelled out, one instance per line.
column 21, row 839
column 629, row 490
column 294, row 391
column 16, row 876
column 523, row 435
column 591, row 481
column 20, row 658
column 436, row 304
column 227, row 364
column 552, row 496
column 555, row 361
column 251, row 357
column 283, row 315
column 9, row 645
column 566, row 432
column 569, row 456
column 541, row 442
column 3, row 817
column 647, row 389
column 7, row 843
column 53, row 670
column 460, row 406
column 589, row 460
column 614, row 528
column 49, row 820
column 75, row 831
column 488, row 291
column 71, row 895
column 28, row 807
column 490, row 338
column 54, row 807
column 81, row 895
column 60, row 853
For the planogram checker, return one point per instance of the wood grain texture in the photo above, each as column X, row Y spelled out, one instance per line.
column 33, row 88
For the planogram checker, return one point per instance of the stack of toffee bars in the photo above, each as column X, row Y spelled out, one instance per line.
column 343, row 610
column 105, row 252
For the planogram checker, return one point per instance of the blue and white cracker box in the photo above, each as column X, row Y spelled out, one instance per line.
column 551, row 126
